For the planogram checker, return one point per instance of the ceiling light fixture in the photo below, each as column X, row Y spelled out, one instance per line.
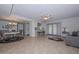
column 10, row 23
column 46, row 17
column 14, row 23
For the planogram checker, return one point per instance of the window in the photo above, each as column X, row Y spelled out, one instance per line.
column 54, row 28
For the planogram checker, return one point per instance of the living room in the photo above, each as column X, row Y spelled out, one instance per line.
column 39, row 28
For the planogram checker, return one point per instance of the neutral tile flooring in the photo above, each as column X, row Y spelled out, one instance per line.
column 40, row 45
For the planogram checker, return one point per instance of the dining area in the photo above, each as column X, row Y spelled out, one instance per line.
column 6, row 37
column 11, row 31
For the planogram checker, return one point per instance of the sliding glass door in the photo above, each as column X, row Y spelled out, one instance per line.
column 50, row 28
column 54, row 28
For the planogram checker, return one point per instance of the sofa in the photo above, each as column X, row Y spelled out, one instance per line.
column 72, row 41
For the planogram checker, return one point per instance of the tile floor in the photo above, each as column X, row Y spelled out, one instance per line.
column 40, row 45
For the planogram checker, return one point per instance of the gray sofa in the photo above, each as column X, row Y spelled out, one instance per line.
column 72, row 41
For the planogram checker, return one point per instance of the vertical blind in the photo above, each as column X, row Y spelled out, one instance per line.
column 54, row 28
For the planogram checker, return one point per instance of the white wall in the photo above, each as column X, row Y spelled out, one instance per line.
column 71, row 24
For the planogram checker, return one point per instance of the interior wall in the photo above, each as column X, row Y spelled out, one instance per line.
column 71, row 24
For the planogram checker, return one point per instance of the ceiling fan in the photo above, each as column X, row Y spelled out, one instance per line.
column 46, row 17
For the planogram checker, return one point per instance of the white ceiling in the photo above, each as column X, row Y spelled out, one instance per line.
column 35, row 11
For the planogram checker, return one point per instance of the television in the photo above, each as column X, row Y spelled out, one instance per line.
column 75, row 33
